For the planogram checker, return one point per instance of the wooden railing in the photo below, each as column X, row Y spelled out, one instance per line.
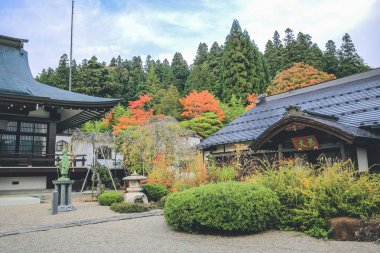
column 44, row 160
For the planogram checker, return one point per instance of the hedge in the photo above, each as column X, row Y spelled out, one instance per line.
column 232, row 207
column 108, row 198
column 154, row 191
column 126, row 207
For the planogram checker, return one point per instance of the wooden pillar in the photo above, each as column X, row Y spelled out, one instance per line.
column 362, row 157
column 51, row 138
column 280, row 154
column 343, row 151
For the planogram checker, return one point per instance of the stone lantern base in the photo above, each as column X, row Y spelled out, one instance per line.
column 136, row 197
column 64, row 189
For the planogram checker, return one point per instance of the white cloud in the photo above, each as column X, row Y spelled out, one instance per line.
column 139, row 28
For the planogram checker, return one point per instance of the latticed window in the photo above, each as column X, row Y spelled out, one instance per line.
column 60, row 145
column 26, row 138
column 104, row 152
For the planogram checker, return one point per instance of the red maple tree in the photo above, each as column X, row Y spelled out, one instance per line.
column 138, row 114
column 196, row 103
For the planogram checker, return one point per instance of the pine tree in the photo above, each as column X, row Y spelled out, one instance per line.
column 201, row 55
column 261, row 75
column 234, row 69
column 214, row 62
column 136, row 85
column 198, row 79
column 61, row 77
column 95, row 79
column 152, row 81
column 148, row 62
column 164, row 73
column 349, row 61
column 47, row 76
column 290, row 53
column 112, row 62
column 330, row 58
column 180, row 71
column 273, row 54
column 205, row 125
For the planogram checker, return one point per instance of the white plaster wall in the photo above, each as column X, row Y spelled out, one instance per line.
column 25, row 183
column 87, row 149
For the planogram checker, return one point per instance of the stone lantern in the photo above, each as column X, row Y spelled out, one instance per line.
column 134, row 192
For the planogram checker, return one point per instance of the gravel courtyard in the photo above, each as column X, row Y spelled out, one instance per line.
column 149, row 234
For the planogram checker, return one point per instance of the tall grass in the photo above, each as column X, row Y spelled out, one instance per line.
column 311, row 195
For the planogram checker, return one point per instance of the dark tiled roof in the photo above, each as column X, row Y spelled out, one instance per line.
column 16, row 79
column 354, row 100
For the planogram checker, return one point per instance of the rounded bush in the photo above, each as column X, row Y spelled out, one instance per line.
column 155, row 192
column 126, row 207
column 232, row 207
column 108, row 198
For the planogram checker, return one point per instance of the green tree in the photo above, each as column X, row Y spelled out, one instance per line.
column 235, row 64
column 204, row 125
column 168, row 102
column 62, row 73
column 136, row 85
column 47, row 76
column 349, row 60
column 214, row 62
column 232, row 110
column 95, row 79
column 198, row 79
column 180, row 71
column 330, row 58
column 164, row 73
column 290, row 51
column 201, row 55
column 152, row 81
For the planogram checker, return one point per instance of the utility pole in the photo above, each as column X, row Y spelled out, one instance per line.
column 71, row 43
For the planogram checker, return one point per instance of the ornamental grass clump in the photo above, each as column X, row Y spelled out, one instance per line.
column 310, row 196
column 108, row 198
column 224, row 208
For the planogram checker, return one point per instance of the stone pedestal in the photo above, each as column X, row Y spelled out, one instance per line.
column 134, row 191
column 64, row 189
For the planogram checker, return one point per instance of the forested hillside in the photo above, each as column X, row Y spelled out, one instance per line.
column 231, row 72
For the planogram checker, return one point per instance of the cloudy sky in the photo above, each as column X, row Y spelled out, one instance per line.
column 108, row 28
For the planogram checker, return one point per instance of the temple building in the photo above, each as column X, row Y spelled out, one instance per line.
column 31, row 115
column 339, row 119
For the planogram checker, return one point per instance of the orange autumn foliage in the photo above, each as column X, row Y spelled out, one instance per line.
column 108, row 119
column 196, row 103
column 299, row 76
column 252, row 100
column 138, row 114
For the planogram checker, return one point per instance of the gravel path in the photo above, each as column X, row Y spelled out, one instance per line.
column 149, row 234
column 12, row 217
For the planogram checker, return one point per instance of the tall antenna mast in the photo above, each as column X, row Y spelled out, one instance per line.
column 71, row 43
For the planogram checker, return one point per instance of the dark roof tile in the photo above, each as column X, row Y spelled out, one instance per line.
column 354, row 100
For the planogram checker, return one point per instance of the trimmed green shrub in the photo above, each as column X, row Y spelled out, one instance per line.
column 155, row 192
column 108, row 198
column 127, row 207
column 232, row 207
